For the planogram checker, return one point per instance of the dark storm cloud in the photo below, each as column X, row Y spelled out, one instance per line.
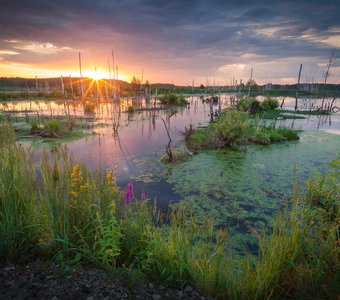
column 206, row 34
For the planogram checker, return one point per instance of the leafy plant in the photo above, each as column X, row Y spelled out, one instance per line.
column 130, row 109
column 89, row 108
column 34, row 124
column 173, row 99
column 269, row 104
column 52, row 126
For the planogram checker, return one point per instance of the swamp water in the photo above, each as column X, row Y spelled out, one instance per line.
column 237, row 188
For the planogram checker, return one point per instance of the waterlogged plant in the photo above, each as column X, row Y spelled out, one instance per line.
column 269, row 104
column 172, row 99
column 130, row 109
column 34, row 124
column 52, row 126
column 254, row 106
column 89, row 108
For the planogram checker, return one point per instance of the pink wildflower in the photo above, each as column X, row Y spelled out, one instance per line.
column 129, row 193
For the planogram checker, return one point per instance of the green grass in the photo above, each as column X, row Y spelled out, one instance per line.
column 172, row 99
column 235, row 129
column 52, row 126
column 78, row 216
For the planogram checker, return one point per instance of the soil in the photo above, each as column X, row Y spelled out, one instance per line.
column 38, row 281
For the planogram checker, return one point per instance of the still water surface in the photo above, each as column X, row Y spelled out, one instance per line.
column 236, row 188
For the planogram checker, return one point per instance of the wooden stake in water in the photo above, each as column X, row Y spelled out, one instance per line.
column 36, row 84
column 297, row 89
column 71, row 86
column 110, row 82
column 81, row 77
column 114, row 75
column 62, row 85
column 250, row 81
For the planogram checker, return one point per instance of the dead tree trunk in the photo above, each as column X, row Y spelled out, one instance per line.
column 250, row 81
column 326, row 75
column 297, row 89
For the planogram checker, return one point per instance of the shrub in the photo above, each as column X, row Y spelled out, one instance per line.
column 172, row 99
column 269, row 104
column 130, row 109
column 34, row 124
column 52, row 126
column 89, row 108
column 245, row 103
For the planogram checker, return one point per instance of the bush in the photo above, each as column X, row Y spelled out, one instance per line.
column 89, row 108
column 269, row 104
column 130, row 109
column 245, row 103
column 34, row 124
column 52, row 126
column 172, row 99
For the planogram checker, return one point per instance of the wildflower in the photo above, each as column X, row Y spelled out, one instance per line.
column 74, row 193
column 109, row 177
column 129, row 193
column 75, row 171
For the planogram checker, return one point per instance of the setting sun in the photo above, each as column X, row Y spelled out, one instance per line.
column 96, row 74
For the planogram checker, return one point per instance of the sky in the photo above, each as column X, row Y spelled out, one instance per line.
column 177, row 41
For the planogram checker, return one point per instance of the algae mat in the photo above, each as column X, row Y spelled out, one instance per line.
column 246, row 188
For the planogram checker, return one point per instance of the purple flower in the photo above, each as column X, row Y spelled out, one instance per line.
column 129, row 193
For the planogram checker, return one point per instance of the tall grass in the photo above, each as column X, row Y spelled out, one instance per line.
column 234, row 129
column 19, row 223
column 76, row 215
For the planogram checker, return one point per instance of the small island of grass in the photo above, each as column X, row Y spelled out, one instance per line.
column 233, row 129
column 172, row 99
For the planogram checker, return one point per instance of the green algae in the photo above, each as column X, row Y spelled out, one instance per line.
column 241, row 190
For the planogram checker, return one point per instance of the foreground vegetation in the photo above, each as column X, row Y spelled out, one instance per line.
column 234, row 129
column 62, row 210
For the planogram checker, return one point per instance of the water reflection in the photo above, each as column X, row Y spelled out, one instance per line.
column 237, row 188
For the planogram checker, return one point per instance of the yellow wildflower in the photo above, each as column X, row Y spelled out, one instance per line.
column 75, row 172
column 74, row 193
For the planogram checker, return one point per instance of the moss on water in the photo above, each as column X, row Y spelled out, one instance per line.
column 236, row 187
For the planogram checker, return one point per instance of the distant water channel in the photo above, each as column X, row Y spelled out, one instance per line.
column 238, row 189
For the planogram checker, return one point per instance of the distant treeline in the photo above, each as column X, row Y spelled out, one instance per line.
column 72, row 86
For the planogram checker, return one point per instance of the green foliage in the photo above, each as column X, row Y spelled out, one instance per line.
column 52, row 126
column 253, row 106
column 18, row 222
column 172, row 99
column 130, row 109
column 234, row 129
column 34, row 124
column 269, row 104
column 245, row 103
column 198, row 138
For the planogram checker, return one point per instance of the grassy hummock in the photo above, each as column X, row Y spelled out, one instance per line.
column 172, row 99
column 234, row 129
